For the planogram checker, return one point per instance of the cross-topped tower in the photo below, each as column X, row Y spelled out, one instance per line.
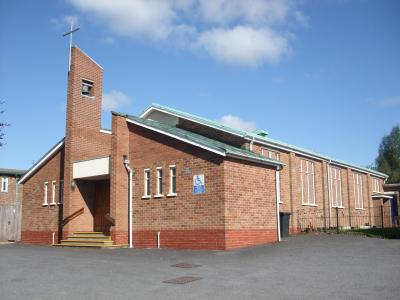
column 70, row 33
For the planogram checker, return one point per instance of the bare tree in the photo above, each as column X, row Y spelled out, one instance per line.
column 2, row 126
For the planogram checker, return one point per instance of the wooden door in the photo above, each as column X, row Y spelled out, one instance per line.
column 102, row 206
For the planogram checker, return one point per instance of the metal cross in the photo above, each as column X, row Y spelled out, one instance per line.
column 70, row 32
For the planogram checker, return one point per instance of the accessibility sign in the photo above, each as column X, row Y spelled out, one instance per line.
column 198, row 184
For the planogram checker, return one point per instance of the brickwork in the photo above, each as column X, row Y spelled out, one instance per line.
column 14, row 193
column 40, row 222
column 83, row 139
column 186, row 211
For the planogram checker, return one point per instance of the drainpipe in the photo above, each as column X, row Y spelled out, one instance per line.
column 278, row 199
column 329, row 191
column 130, row 172
column 251, row 144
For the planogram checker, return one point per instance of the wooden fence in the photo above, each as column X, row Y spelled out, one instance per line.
column 10, row 222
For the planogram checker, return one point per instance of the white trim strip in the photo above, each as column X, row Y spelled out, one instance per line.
column 244, row 157
column 105, row 131
column 176, row 137
column 41, row 162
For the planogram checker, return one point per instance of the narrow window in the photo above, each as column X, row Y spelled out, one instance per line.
column 307, row 182
column 375, row 185
column 358, row 191
column 53, row 193
column 172, row 178
column 46, row 187
column 4, row 184
column 146, row 193
column 159, row 181
column 335, row 187
column 87, row 88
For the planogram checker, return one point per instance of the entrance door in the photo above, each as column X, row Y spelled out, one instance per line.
column 102, row 206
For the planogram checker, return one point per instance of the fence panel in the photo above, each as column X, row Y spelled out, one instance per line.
column 10, row 222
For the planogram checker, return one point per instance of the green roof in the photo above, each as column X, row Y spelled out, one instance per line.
column 258, row 135
column 11, row 172
column 198, row 139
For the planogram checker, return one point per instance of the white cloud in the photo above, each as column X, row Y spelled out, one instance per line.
column 244, row 45
column 114, row 100
column 240, row 32
column 389, row 102
column 65, row 21
column 237, row 122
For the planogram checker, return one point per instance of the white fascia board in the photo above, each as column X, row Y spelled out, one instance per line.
column 255, row 160
column 222, row 153
column 149, row 110
column 41, row 162
column 318, row 157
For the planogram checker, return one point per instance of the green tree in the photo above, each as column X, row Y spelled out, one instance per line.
column 388, row 160
column 2, row 126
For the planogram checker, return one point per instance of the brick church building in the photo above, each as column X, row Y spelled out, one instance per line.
column 171, row 179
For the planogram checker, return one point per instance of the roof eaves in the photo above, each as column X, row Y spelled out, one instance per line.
column 41, row 161
column 302, row 151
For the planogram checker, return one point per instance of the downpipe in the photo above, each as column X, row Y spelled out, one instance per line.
column 130, row 172
column 278, row 200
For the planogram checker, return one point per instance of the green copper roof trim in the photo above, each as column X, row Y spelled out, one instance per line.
column 257, row 137
column 204, row 141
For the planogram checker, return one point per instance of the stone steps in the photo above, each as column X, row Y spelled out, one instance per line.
column 88, row 239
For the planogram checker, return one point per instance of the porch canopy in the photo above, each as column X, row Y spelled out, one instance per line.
column 92, row 169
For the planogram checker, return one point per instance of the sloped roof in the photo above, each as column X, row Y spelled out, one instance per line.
column 202, row 141
column 261, row 138
column 11, row 172
column 49, row 154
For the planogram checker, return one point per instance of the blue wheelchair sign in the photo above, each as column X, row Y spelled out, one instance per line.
column 198, row 184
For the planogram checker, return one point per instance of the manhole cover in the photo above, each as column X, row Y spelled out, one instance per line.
column 185, row 265
column 182, row 280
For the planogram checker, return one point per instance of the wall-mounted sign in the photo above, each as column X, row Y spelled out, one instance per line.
column 198, row 184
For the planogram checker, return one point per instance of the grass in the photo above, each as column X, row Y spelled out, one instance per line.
column 388, row 233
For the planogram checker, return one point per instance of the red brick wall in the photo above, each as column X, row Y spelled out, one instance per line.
column 187, row 220
column 83, row 137
column 39, row 222
column 250, row 204
column 11, row 197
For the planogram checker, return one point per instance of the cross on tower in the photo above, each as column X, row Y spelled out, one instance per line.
column 70, row 32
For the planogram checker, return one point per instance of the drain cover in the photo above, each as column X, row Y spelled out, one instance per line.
column 182, row 280
column 185, row 266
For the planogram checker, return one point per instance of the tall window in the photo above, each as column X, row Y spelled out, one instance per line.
column 336, row 187
column 159, row 181
column 4, row 184
column 53, row 193
column 146, row 193
column 375, row 185
column 46, row 188
column 358, row 190
column 307, row 182
column 172, row 180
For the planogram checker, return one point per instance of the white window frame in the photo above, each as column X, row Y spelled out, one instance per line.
column 172, row 178
column 358, row 191
column 271, row 153
column 335, row 187
column 53, row 193
column 4, row 184
column 146, row 184
column 160, row 180
column 45, row 195
column 306, row 172
column 375, row 185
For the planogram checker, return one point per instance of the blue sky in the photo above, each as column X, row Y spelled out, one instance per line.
column 323, row 75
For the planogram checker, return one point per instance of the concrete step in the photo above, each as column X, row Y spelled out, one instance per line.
column 89, row 237
column 88, row 245
column 91, row 242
